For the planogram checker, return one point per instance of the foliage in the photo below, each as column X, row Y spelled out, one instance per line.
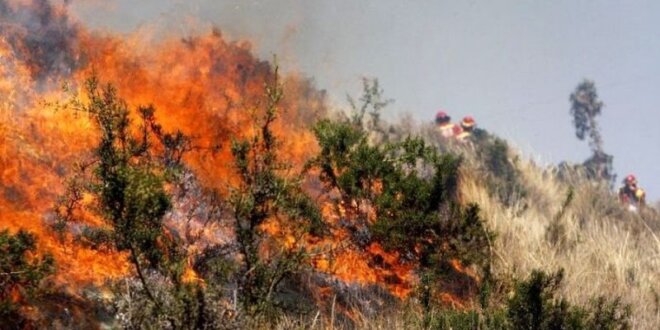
column 599, row 166
column 402, row 195
column 126, row 178
column 266, row 196
column 21, row 275
column 503, row 178
column 556, row 230
column 585, row 107
column 371, row 103
column 534, row 306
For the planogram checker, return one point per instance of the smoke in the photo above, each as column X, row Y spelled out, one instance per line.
column 40, row 35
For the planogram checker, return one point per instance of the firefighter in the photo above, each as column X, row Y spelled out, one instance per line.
column 467, row 129
column 444, row 125
column 630, row 194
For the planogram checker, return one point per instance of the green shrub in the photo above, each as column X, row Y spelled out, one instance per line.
column 401, row 194
column 127, row 177
column 264, row 193
column 412, row 188
column 503, row 179
column 535, row 306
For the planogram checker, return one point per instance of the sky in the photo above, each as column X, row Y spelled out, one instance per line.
column 510, row 64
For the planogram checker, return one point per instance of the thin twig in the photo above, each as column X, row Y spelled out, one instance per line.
column 14, row 273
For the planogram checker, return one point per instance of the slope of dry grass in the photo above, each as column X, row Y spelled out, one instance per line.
column 603, row 249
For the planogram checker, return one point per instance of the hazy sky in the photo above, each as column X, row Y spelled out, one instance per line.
column 510, row 64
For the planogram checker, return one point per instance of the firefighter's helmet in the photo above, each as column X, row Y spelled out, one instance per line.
column 442, row 117
column 468, row 122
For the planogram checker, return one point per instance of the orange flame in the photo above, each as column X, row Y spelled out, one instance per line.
column 205, row 86
column 211, row 96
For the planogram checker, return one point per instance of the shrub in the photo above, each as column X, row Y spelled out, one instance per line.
column 401, row 194
column 126, row 176
column 535, row 306
column 21, row 275
column 265, row 194
column 503, row 178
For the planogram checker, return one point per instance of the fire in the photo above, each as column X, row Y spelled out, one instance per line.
column 373, row 266
column 211, row 96
column 205, row 86
column 190, row 276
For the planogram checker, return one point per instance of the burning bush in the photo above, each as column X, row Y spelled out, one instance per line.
column 124, row 185
column 21, row 275
column 265, row 204
column 400, row 195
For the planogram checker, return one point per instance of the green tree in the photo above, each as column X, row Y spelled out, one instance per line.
column 585, row 107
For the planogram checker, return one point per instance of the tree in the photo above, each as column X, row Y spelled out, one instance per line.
column 21, row 275
column 585, row 107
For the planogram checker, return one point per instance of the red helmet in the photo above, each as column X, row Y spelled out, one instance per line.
column 468, row 121
column 442, row 117
column 630, row 179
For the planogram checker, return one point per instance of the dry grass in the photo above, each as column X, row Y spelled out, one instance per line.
column 406, row 318
column 603, row 249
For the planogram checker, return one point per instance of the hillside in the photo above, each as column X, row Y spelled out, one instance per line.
column 602, row 248
column 216, row 192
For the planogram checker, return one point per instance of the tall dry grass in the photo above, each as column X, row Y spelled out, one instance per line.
column 603, row 249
